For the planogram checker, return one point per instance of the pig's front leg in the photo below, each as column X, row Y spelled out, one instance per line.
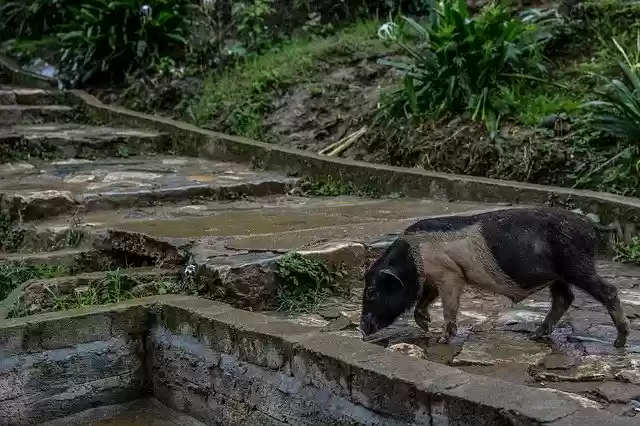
column 421, row 313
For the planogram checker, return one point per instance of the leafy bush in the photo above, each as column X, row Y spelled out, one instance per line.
column 304, row 283
column 101, row 39
column 629, row 252
column 616, row 115
column 618, row 111
column 460, row 62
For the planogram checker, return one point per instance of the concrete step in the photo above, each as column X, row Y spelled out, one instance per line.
column 10, row 95
column 47, row 295
column 34, row 114
column 75, row 141
column 77, row 186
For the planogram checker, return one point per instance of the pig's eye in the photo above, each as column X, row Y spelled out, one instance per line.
column 371, row 293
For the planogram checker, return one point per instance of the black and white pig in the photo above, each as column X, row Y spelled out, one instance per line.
column 513, row 252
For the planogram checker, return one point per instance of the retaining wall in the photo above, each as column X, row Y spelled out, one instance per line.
column 227, row 366
column 63, row 363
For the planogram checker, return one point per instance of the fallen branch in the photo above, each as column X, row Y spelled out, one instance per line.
column 347, row 142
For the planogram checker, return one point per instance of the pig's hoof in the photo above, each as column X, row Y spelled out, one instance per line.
column 539, row 337
column 620, row 342
column 443, row 340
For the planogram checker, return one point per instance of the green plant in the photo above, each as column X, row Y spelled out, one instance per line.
column 629, row 252
column 303, row 283
column 12, row 275
column 103, row 39
column 251, row 16
column 334, row 188
column 617, row 113
column 460, row 62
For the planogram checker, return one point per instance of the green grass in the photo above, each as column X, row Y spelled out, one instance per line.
column 12, row 275
column 629, row 252
column 236, row 100
column 114, row 287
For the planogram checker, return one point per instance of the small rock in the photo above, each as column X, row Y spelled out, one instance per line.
column 583, row 401
column 558, row 361
column 175, row 161
column 80, row 179
column 330, row 312
column 578, row 211
column 408, row 349
column 342, row 323
column 592, row 371
column 618, row 392
column 119, row 176
column 629, row 376
column 635, row 405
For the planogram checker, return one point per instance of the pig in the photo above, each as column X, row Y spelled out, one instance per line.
column 513, row 252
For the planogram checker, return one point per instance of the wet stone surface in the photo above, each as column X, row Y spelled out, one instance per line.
column 60, row 187
column 493, row 339
column 75, row 141
column 28, row 114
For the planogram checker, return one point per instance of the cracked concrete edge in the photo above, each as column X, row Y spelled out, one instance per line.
column 366, row 374
column 191, row 140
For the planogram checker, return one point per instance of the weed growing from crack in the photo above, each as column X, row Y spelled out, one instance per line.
column 334, row 188
column 303, row 283
column 628, row 252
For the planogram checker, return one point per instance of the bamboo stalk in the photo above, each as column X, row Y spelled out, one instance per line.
column 348, row 142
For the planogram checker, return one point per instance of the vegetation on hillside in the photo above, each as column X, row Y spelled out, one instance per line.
column 549, row 94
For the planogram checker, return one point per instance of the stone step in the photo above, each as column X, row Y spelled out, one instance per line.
column 274, row 223
column 46, row 295
column 77, row 186
column 20, row 96
column 34, row 114
column 66, row 257
column 75, row 141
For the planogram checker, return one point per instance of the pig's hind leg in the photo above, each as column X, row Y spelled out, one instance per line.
column 583, row 275
column 607, row 294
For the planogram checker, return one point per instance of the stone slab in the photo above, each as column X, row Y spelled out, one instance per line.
column 28, row 114
column 73, row 186
column 76, row 141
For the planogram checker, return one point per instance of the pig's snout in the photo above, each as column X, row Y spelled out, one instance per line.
column 368, row 324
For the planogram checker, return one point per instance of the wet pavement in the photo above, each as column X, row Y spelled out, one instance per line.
column 66, row 186
column 277, row 222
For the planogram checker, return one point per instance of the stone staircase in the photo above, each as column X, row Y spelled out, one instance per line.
column 96, row 201
column 91, row 214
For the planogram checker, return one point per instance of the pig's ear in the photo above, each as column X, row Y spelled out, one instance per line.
column 389, row 272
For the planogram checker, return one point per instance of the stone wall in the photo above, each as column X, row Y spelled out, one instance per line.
column 55, row 365
column 227, row 366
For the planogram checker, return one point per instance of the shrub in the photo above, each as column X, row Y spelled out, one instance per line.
column 303, row 283
column 102, row 39
column 616, row 115
column 459, row 62
column 617, row 112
